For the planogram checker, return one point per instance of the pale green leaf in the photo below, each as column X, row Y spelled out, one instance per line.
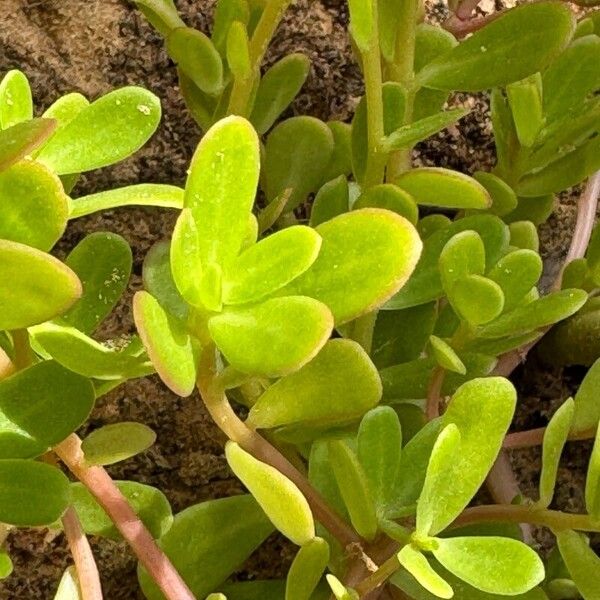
column 418, row 566
column 340, row 591
column 390, row 197
column 162, row 14
column 68, row 588
column 41, row 287
column 167, row 343
column 492, row 564
column 582, row 563
column 362, row 22
column 525, row 101
column 587, row 407
column 20, row 140
column 462, row 255
column 116, row 442
column 226, row 13
column 476, row 299
column 107, row 131
column 16, row 104
column 306, row 570
column 592, row 484
column 185, row 258
column 445, row 356
column 238, row 56
column 279, row 497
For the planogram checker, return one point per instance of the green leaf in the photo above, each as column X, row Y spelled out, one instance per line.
column 435, row 186
column 41, row 287
column 555, row 438
column 168, row 345
column 535, row 33
column 525, row 101
column 270, row 264
column 390, row 197
column 543, row 312
column 504, row 199
column 446, row 357
column 113, row 443
column 362, row 22
column 107, row 131
column 587, row 407
column 492, row 564
column 571, row 78
column 68, row 588
column 102, row 261
column 354, row 487
column 226, row 13
column 337, row 386
column 379, row 451
column 162, row 14
column 462, row 255
column 516, row 273
column 208, row 541
column 185, row 258
column 6, row 565
column 221, row 187
column 409, row 135
column 367, row 255
column 20, row 140
column 279, row 497
column 276, row 90
column 273, row 338
column 197, row 57
column 339, row 590
column 143, row 194
column 592, row 484
column 301, row 167
column 273, row 589
column 81, row 354
column 16, row 104
column 33, row 205
column 66, row 108
column 32, row 493
column 400, row 336
column 477, row 299
column 523, row 234
column 341, row 159
column 149, row 503
column 331, row 200
column 439, row 480
column 564, row 172
column 418, row 566
column 39, row 407
column 238, row 56
column 582, row 563
column 389, row 15
column 306, row 570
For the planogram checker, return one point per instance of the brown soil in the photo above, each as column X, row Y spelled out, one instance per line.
column 93, row 46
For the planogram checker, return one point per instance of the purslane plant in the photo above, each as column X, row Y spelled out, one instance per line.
column 375, row 301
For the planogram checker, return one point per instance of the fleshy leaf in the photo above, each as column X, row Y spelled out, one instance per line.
column 592, row 484
column 524, row 235
column 390, row 197
column 16, row 104
column 226, row 13
column 185, row 258
column 68, row 588
column 107, row 131
column 39, row 407
column 18, row 141
column 270, row 264
column 168, row 345
column 379, row 444
column 341, row 159
column 279, row 497
column 362, row 22
column 33, row 205
column 238, row 57
column 535, row 34
column 221, row 187
column 306, row 570
column 274, row 338
column 354, row 487
column 116, row 442
column 583, row 564
column 504, row 199
column 587, row 407
column 525, row 101
column 366, row 257
column 540, row 313
column 41, row 287
column 337, row 386
column 331, row 200
column 446, row 357
column 555, row 437
column 162, row 14
column 477, row 299
column 85, row 356
column 277, row 88
column 339, row 590
column 301, row 167
column 32, row 493
column 496, row 565
column 463, row 255
column 102, row 261
column 435, row 186
column 149, row 503
column 197, row 57
column 143, row 194
column 418, row 566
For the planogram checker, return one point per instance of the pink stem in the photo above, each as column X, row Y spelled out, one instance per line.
column 110, row 498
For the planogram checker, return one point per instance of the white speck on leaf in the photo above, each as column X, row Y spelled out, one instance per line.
column 145, row 110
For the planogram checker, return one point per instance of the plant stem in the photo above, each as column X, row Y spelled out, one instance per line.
column 379, row 577
column 235, row 429
column 110, row 498
column 85, row 565
column 241, row 91
column 22, row 348
column 434, row 392
column 460, row 28
column 515, row 513
column 535, row 437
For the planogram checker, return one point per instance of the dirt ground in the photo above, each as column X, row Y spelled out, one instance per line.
column 93, row 46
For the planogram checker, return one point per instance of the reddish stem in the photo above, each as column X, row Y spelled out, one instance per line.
column 434, row 393
column 85, row 565
column 462, row 27
column 110, row 498
column 535, row 437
